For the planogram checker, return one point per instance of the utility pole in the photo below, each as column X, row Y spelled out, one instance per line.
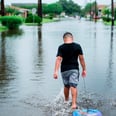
column 39, row 8
column 95, row 11
column 90, row 10
column 2, row 8
column 112, row 9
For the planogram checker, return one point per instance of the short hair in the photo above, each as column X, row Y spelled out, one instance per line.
column 67, row 34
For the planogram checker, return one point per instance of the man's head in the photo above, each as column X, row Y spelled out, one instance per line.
column 67, row 35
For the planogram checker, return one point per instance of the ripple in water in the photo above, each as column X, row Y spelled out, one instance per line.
column 89, row 101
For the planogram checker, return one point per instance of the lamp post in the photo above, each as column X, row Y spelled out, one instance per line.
column 112, row 9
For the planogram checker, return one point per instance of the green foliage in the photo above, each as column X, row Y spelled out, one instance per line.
column 11, row 22
column 106, row 19
column 115, row 14
column 54, row 8
column 90, row 7
column 26, row 6
column 106, row 12
column 69, row 7
column 33, row 19
column 12, row 11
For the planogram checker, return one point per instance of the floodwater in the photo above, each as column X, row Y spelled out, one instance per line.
column 27, row 57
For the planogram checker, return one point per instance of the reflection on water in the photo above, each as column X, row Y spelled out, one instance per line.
column 27, row 60
column 110, row 65
column 12, row 33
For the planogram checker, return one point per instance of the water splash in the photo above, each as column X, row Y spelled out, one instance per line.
column 59, row 107
column 89, row 101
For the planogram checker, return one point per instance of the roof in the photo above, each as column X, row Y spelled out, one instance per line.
column 101, row 6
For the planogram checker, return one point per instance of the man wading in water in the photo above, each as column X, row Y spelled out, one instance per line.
column 68, row 55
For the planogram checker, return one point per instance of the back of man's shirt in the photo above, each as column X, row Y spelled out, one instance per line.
column 69, row 52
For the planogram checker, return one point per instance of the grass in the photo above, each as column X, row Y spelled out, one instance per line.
column 45, row 20
column 109, row 23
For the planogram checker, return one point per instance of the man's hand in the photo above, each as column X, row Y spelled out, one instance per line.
column 55, row 75
column 84, row 73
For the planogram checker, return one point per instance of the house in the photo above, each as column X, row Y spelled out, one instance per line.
column 23, row 11
column 100, row 8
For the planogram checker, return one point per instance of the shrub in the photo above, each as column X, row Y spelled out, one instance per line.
column 33, row 19
column 106, row 19
column 12, row 22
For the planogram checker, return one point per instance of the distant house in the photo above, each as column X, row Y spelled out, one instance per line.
column 100, row 8
column 24, row 11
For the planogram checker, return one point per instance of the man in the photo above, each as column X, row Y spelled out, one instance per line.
column 68, row 55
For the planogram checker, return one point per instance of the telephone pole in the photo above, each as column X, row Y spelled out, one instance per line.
column 112, row 9
column 2, row 9
column 39, row 8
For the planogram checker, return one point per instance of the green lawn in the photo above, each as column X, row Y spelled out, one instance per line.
column 43, row 21
column 109, row 23
column 47, row 20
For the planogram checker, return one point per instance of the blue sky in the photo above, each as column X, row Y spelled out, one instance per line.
column 81, row 2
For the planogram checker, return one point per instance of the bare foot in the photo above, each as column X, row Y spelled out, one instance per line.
column 74, row 106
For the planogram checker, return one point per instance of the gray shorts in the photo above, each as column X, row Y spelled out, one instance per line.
column 70, row 78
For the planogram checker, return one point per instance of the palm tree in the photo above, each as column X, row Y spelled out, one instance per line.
column 2, row 8
column 40, row 8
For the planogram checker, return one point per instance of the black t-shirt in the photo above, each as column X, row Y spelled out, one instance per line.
column 69, row 52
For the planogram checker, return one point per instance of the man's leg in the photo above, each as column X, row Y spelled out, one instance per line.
column 66, row 93
column 74, row 97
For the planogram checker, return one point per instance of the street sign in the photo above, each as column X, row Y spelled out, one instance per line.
column 34, row 11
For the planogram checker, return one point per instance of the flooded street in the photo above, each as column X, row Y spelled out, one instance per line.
column 27, row 57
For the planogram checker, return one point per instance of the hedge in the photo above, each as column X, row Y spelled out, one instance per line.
column 11, row 22
column 33, row 19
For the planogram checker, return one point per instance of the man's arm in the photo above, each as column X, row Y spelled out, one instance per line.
column 57, row 66
column 82, row 62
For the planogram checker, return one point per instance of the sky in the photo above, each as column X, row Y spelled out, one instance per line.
column 80, row 2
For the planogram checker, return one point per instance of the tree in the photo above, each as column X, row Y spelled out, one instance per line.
column 12, row 11
column 115, row 14
column 69, row 7
column 106, row 15
column 54, row 8
column 106, row 12
column 91, row 8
